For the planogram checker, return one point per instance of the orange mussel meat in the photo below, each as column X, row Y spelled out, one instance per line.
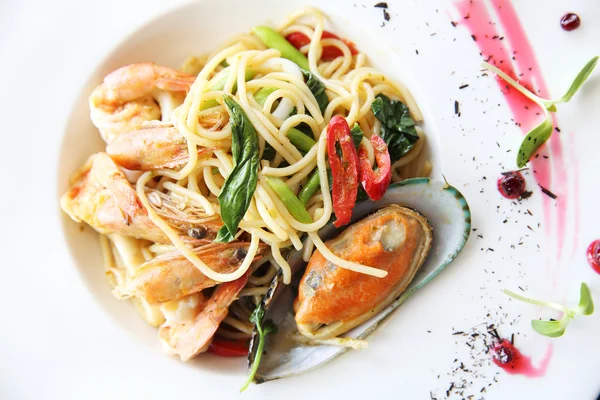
column 333, row 300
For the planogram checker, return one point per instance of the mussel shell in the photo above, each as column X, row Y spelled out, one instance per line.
column 448, row 213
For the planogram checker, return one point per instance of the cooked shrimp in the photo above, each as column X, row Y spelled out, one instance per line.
column 129, row 96
column 101, row 196
column 188, row 338
column 184, row 309
column 155, row 145
column 171, row 276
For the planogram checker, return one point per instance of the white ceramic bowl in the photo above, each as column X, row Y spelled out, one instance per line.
column 168, row 40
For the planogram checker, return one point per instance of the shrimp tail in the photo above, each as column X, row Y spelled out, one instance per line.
column 188, row 339
column 171, row 276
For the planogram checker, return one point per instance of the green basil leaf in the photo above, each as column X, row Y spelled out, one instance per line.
column 397, row 126
column 357, row 134
column 223, row 235
column 550, row 328
column 238, row 189
column 317, row 88
column 580, row 79
column 586, row 304
column 269, row 152
column 534, row 140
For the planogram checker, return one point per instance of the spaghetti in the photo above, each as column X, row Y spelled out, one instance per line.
column 290, row 119
column 351, row 85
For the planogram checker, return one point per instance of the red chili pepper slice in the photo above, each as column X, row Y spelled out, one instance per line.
column 344, row 170
column 228, row 348
column 298, row 40
column 375, row 183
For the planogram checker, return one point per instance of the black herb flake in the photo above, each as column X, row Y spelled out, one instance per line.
column 526, row 194
column 474, row 38
column 382, row 4
column 548, row 193
column 509, row 173
column 453, row 24
column 456, row 107
column 463, row 86
column 386, row 15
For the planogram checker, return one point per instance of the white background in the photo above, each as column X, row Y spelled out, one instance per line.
column 56, row 339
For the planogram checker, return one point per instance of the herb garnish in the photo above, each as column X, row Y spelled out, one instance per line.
column 239, row 187
column 317, row 88
column 556, row 328
column 263, row 328
column 397, row 126
column 357, row 135
column 541, row 133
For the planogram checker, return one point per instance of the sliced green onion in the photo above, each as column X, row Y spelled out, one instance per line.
column 300, row 140
column 312, row 185
column 289, row 199
column 271, row 38
column 262, row 94
column 220, row 85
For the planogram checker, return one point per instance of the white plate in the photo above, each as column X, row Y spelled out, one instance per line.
column 65, row 336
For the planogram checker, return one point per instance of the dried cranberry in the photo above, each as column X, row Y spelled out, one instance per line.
column 511, row 184
column 593, row 255
column 570, row 21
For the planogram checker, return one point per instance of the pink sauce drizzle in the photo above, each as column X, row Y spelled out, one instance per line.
column 510, row 359
column 576, row 213
column 525, row 112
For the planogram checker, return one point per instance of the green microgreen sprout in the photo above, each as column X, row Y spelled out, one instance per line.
column 541, row 133
column 556, row 328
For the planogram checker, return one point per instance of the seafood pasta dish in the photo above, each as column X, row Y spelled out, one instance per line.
column 219, row 179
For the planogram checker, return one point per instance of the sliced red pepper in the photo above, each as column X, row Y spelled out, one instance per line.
column 299, row 40
column 228, row 348
column 344, row 170
column 375, row 183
